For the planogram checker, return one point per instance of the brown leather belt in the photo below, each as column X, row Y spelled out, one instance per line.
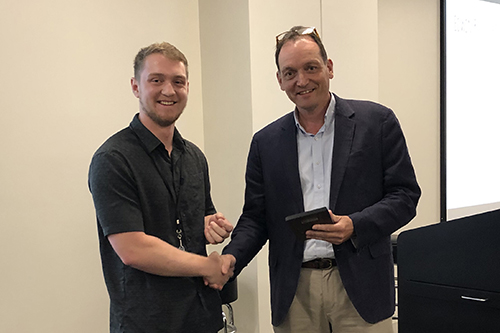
column 320, row 263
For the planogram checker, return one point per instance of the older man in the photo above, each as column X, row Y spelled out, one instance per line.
column 348, row 156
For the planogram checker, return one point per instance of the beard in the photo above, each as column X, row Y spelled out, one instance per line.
column 161, row 121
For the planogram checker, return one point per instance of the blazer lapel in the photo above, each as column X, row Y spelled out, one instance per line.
column 344, row 135
column 288, row 155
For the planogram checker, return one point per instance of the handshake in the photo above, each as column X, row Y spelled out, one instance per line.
column 219, row 270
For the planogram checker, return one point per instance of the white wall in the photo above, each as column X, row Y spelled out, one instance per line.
column 65, row 88
column 65, row 73
column 409, row 84
column 351, row 36
column 227, row 107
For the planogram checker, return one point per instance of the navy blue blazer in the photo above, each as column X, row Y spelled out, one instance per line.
column 373, row 182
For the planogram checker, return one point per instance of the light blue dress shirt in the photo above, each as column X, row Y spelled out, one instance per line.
column 315, row 169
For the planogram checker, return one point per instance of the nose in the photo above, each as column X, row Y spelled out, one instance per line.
column 168, row 89
column 302, row 79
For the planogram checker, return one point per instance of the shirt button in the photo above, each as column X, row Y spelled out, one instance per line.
column 319, row 186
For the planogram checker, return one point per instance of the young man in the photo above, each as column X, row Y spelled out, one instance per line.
column 349, row 156
column 155, row 215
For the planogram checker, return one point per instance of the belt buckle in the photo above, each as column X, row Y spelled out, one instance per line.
column 327, row 261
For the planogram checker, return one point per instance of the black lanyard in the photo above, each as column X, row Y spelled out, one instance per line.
column 169, row 168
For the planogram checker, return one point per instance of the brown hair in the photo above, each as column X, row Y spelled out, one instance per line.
column 295, row 33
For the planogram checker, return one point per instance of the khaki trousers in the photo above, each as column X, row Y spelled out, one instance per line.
column 321, row 305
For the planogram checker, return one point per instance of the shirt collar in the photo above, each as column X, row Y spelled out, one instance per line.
column 330, row 111
column 149, row 140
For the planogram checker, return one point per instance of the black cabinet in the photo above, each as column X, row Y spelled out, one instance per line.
column 449, row 276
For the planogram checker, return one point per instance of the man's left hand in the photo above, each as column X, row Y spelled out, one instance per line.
column 336, row 233
column 217, row 228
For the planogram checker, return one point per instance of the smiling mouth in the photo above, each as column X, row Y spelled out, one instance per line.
column 166, row 103
column 305, row 92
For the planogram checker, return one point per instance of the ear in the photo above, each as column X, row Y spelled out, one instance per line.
column 329, row 65
column 280, row 81
column 135, row 86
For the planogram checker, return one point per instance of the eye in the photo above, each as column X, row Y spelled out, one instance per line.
column 288, row 75
column 179, row 81
column 155, row 80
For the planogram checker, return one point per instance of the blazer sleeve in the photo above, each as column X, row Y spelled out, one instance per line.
column 400, row 190
column 250, row 233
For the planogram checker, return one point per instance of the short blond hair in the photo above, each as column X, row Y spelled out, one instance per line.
column 166, row 49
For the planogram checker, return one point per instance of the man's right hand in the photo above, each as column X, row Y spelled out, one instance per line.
column 221, row 269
